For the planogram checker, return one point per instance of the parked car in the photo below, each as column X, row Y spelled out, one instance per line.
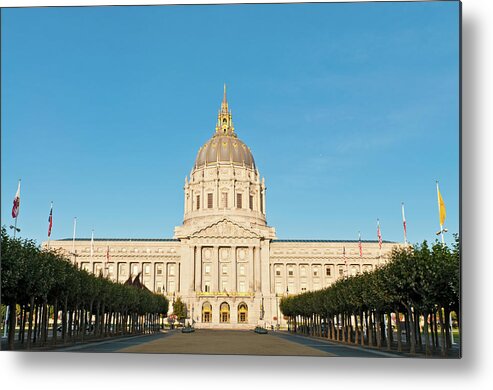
column 260, row 330
column 187, row 329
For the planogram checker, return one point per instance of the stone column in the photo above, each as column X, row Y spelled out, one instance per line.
column 165, row 275
column 198, row 269
column 152, row 266
column 233, row 268
column 309, row 287
column 256, row 268
column 190, row 274
column 215, row 269
column 251, row 275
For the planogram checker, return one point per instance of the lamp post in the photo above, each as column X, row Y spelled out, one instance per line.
column 16, row 229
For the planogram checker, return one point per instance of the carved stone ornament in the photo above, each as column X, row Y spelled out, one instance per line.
column 225, row 229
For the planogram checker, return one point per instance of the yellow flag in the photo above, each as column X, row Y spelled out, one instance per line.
column 441, row 207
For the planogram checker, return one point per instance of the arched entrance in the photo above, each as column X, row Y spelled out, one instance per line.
column 206, row 312
column 242, row 313
column 224, row 312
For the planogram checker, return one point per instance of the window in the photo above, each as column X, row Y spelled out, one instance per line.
column 224, row 285
column 242, row 286
column 207, row 269
column 302, row 271
column 290, row 289
column 135, row 269
column 341, row 271
column 278, row 272
column 224, row 269
column 315, row 272
column 97, row 269
column 147, row 269
column 198, row 202
column 110, row 270
column 123, row 269
column 159, row 288
column 242, row 269
column 261, row 203
column 290, row 272
column 159, row 269
column 224, row 200
column 251, row 202
column 209, row 201
column 207, row 287
column 238, row 201
column 172, row 270
column 171, row 286
column 278, row 288
column 327, row 271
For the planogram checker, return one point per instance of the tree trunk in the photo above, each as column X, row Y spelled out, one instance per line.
column 442, row 334
column 30, row 323
column 426, row 335
column 364, row 325
column 412, row 338
column 55, row 321
column 437, row 344
column 389, row 331
column 447, row 327
column 399, row 334
column 12, row 321
column 378, row 323
column 417, row 328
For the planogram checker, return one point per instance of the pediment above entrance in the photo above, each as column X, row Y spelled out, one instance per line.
column 224, row 229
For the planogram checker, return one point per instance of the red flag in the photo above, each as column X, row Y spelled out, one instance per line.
column 17, row 201
column 50, row 220
column 379, row 234
column 360, row 247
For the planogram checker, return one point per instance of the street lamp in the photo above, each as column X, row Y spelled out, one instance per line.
column 16, row 229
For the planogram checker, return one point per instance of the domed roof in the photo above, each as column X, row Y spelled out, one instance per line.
column 224, row 146
column 225, row 149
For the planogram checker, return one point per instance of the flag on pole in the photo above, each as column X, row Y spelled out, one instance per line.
column 92, row 243
column 17, row 201
column 359, row 245
column 344, row 253
column 50, row 220
column 441, row 207
column 404, row 223
column 379, row 234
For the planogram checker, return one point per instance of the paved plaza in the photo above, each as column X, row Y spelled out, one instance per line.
column 228, row 342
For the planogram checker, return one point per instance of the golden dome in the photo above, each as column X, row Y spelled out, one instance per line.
column 224, row 146
column 225, row 149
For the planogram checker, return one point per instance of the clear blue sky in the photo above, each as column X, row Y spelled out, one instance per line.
column 349, row 109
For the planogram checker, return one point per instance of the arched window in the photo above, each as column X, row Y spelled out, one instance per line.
column 242, row 313
column 224, row 312
column 206, row 312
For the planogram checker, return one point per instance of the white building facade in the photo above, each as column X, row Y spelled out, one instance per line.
column 224, row 262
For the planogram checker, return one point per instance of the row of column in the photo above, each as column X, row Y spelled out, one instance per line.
column 252, row 265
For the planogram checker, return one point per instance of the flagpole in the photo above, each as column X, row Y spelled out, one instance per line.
column 49, row 229
column 17, row 214
column 441, row 225
column 15, row 225
column 404, row 223
column 379, row 240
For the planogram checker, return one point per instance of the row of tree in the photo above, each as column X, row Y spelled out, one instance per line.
column 418, row 285
column 44, row 291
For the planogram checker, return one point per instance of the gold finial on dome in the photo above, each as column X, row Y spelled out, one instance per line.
column 224, row 119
